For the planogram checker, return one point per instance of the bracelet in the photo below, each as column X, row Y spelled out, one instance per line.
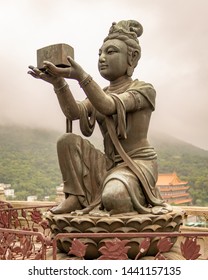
column 85, row 81
column 58, row 90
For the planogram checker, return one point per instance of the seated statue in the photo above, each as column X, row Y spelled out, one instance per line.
column 123, row 178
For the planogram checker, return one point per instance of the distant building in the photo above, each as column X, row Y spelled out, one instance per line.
column 9, row 192
column 32, row 198
column 173, row 190
column 6, row 191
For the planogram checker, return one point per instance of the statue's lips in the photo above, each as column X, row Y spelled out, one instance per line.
column 103, row 66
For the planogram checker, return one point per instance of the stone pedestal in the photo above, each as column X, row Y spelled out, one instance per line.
column 67, row 223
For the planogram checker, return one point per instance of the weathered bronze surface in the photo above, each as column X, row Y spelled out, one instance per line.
column 57, row 54
column 123, row 178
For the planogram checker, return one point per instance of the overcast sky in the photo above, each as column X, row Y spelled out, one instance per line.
column 174, row 58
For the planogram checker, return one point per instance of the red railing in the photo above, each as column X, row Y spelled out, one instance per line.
column 22, row 245
column 115, row 246
column 25, row 234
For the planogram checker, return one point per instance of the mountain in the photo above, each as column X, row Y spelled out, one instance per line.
column 179, row 156
column 165, row 142
column 28, row 161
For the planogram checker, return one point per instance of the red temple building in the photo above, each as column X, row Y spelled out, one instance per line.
column 173, row 190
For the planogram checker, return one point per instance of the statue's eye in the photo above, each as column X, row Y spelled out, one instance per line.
column 111, row 51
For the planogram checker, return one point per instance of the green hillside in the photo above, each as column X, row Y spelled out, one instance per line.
column 28, row 161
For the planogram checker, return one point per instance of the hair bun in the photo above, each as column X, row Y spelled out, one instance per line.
column 130, row 28
column 136, row 27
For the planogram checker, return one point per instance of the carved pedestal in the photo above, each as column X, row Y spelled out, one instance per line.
column 67, row 223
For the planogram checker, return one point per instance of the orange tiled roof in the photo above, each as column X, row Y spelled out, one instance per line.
column 183, row 201
column 173, row 188
column 169, row 179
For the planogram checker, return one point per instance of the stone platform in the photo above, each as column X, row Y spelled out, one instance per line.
column 68, row 223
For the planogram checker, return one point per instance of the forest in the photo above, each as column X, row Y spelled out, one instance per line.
column 28, row 161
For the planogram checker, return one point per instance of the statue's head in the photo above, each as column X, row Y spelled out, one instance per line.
column 128, row 32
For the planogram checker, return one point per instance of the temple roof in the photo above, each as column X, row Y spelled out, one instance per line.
column 169, row 179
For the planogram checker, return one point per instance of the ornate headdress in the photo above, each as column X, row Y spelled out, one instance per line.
column 127, row 31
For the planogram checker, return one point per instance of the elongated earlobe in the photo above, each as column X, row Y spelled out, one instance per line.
column 130, row 71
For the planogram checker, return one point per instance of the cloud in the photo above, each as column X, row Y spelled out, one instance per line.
column 174, row 55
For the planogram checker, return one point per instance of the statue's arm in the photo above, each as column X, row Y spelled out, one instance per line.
column 67, row 102
column 70, row 107
column 52, row 75
column 101, row 101
column 98, row 98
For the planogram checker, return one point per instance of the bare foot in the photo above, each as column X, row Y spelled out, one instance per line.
column 71, row 203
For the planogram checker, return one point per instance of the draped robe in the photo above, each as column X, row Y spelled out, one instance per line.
column 86, row 170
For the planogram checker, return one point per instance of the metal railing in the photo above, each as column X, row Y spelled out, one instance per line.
column 121, row 246
column 25, row 234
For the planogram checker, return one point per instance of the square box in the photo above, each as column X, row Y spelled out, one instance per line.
column 57, row 54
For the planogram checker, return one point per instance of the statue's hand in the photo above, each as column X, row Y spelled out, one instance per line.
column 73, row 71
column 53, row 70
column 43, row 75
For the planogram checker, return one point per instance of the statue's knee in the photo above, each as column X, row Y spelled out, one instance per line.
column 115, row 187
column 67, row 139
column 112, row 189
column 116, row 196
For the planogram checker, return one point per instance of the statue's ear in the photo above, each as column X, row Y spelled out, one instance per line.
column 133, row 58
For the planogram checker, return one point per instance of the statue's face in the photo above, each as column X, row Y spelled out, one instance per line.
column 113, row 63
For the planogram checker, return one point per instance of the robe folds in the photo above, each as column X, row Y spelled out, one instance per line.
column 86, row 170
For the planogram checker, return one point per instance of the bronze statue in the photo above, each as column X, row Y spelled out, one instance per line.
column 123, row 178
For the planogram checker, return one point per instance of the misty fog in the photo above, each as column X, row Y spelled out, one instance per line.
column 174, row 58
